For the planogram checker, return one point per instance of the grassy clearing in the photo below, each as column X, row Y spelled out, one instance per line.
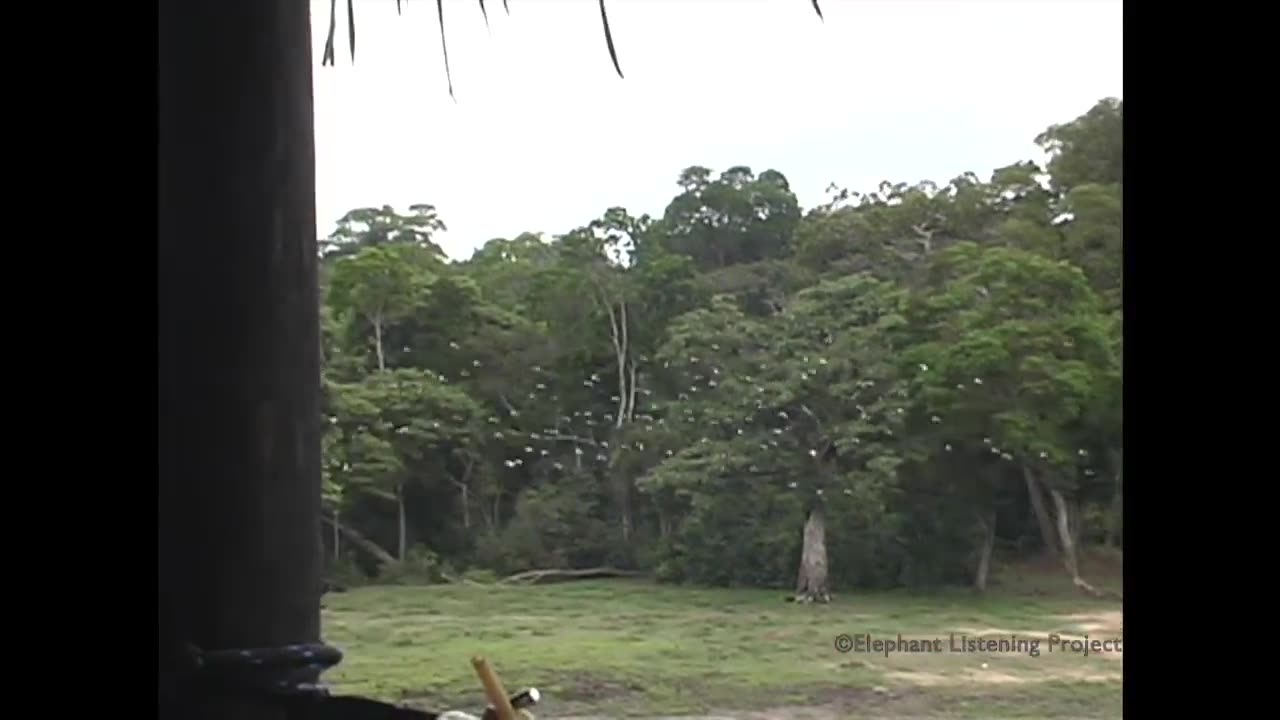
column 629, row 648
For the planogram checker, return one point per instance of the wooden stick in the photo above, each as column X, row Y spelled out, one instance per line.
column 498, row 699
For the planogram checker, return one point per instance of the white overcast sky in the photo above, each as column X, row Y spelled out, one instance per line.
column 545, row 137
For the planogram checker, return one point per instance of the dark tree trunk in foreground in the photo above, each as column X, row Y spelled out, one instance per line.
column 239, row 481
column 812, row 583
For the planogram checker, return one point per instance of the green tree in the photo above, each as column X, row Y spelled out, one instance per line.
column 804, row 401
column 883, row 398
column 1017, row 346
column 732, row 219
column 396, row 426
column 1089, row 149
column 380, row 285
column 370, row 227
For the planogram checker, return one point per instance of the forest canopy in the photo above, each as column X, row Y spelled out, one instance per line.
column 886, row 389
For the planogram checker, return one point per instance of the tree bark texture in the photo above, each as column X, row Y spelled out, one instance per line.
column 377, row 342
column 239, row 555
column 1042, row 513
column 466, row 509
column 811, row 585
column 337, row 537
column 1070, row 556
column 988, row 527
column 402, row 523
column 464, row 487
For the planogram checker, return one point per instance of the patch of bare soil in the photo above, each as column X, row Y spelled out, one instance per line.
column 597, row 689
column 1111, row 622
column 929, row 679
column 1086, row 627
column 1105, row 625
column 995, row 677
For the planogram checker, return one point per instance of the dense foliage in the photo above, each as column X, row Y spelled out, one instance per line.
column 881, row 390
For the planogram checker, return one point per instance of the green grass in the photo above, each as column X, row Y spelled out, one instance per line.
column 629, row 648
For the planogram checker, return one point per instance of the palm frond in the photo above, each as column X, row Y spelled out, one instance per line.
column 445, row 47
column 351, row 28
column 327, row 59
column 608, row 38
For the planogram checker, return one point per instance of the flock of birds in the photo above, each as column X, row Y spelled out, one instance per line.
column 594, row 434
column 588, row 431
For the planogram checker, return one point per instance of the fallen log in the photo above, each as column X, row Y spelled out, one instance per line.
column 531, row 577
column 382, row 556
